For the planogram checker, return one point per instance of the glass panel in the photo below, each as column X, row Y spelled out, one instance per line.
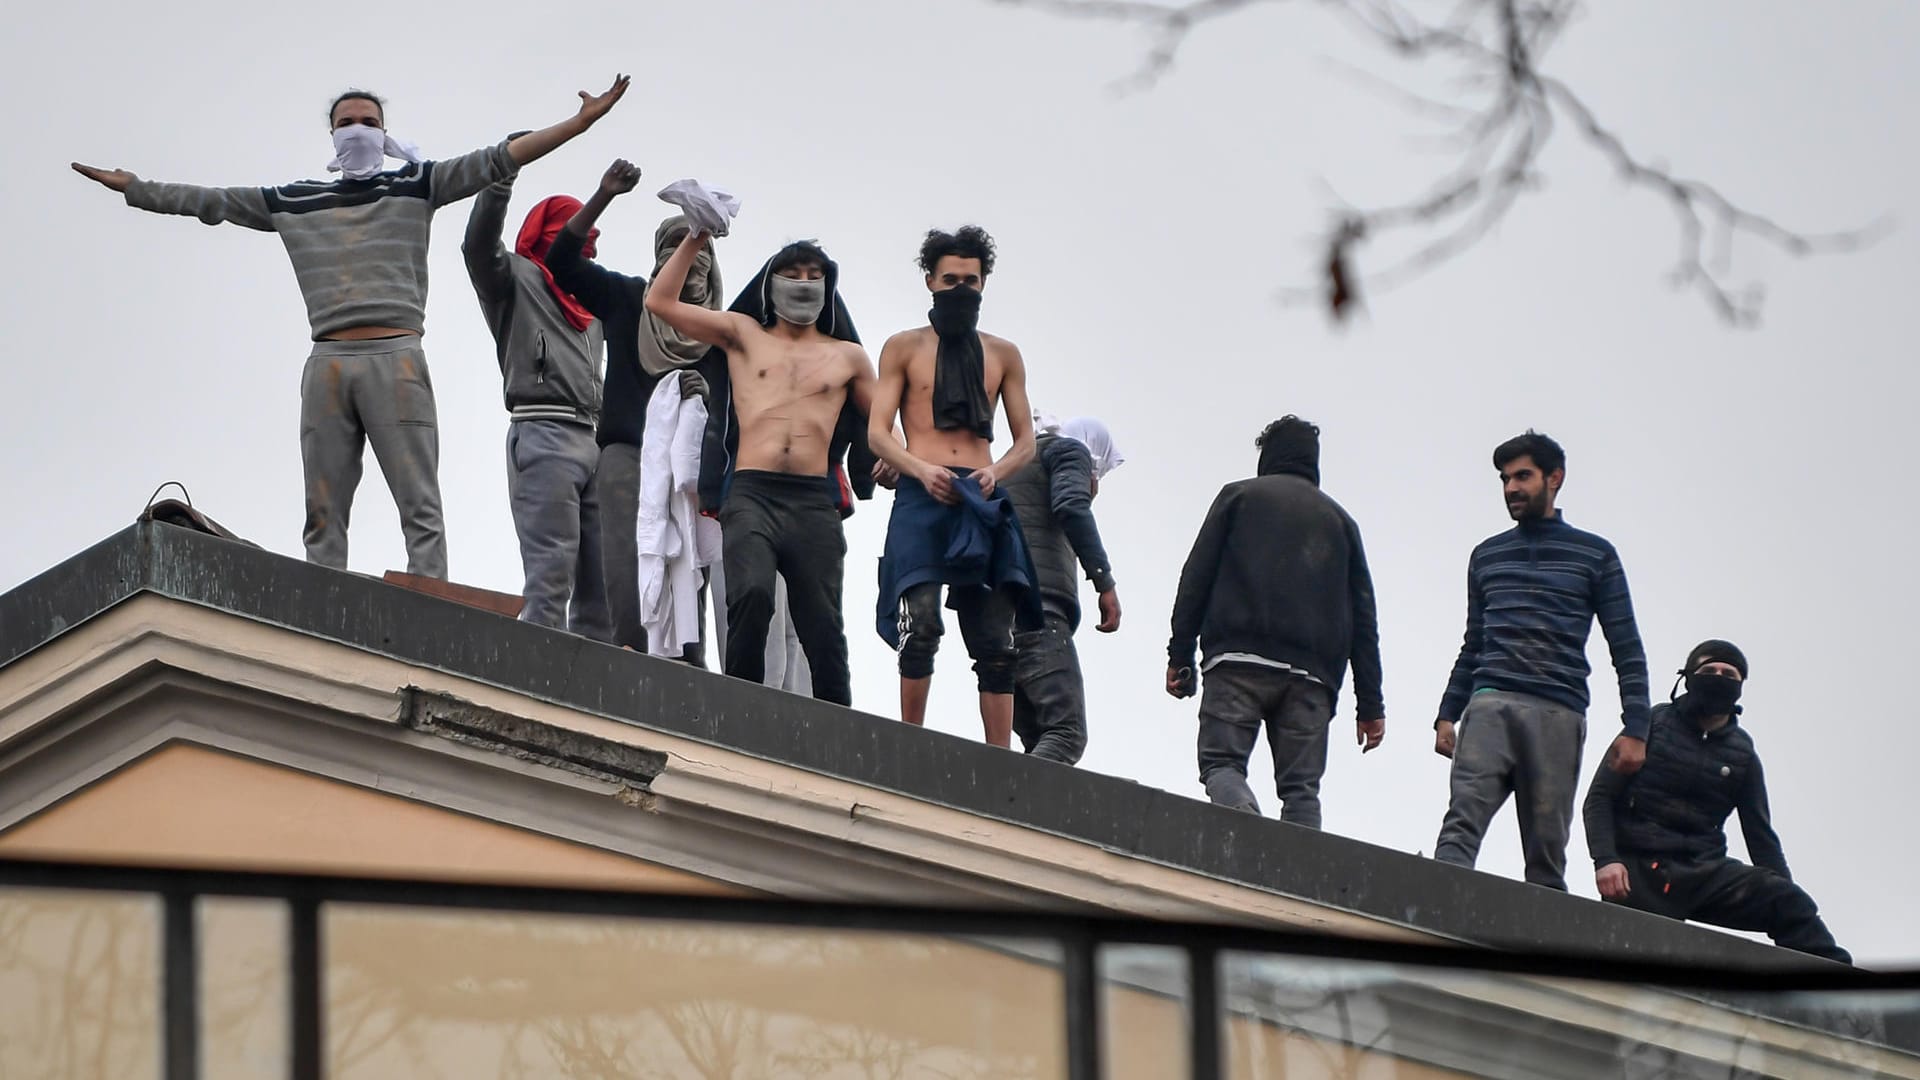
column 243, row 989
column 426, row 993
column 1145, row 992
column 79, row 985
column 1308, row 1018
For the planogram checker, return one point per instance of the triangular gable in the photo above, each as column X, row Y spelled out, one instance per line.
column 187, row 805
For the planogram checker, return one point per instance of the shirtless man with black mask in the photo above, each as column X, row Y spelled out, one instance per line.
column 951, row 523
column 790, row 380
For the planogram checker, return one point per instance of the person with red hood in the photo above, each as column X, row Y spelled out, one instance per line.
column 551, row 351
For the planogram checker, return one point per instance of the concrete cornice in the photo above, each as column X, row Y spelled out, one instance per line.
column 151, row 670
column 764, row 756
column 342, row 712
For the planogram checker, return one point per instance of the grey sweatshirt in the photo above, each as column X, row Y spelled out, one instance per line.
column 359, row 247
column 550, row 371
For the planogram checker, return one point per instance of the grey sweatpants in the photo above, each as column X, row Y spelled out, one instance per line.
column 1235, row 701
column 357, row 392
column 550, row 467
column 1524, row 746
column 1049, row 695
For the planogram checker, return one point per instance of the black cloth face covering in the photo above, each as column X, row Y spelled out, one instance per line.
column 960, row 364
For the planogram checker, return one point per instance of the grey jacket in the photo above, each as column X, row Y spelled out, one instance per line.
column 1053, row 497
column 550, row 370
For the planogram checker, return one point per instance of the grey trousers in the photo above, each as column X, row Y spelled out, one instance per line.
column 1235, row 700
column 550, row 468
column 616, row 491
column 357, row 392
column 1524, row 746
column 1049, row 695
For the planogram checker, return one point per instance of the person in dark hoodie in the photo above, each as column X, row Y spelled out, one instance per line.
column 641, row 351
column 1658, row 836
column 550, row 350
column 1278, row 596
column 788, row 386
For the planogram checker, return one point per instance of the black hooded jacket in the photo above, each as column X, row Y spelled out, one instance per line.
column 848, row 455
column 1278, row 571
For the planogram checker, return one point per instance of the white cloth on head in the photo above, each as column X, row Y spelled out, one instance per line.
column 709, row 209
column 361, row 151
column 675, row 542
column 1098, row 440
column 1045, row 423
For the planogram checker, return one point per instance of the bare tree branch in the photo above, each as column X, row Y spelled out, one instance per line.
column 1495, row 46
column 1170, row 23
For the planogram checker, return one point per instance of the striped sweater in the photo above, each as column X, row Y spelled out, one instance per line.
column 359, row 247
column 1532, row 595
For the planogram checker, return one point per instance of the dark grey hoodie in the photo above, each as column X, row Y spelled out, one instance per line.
column 549, row 370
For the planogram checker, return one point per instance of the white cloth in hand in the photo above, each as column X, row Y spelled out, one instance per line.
column 708, row 209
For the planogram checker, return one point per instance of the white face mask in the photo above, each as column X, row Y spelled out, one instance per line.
column 359, row 151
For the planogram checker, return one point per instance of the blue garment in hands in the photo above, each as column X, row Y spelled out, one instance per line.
column 974, row 544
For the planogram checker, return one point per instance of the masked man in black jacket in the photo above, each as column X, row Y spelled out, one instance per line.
column 1658, row 837
column 1278, row 595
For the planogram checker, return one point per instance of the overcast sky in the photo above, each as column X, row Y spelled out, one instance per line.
column 1754, row 481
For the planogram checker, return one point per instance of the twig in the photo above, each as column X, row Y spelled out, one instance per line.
column 1497, row 46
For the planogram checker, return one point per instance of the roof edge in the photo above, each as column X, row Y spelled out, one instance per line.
column 1116, row 814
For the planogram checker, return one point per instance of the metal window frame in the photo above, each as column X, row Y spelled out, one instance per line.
column 1080, row 938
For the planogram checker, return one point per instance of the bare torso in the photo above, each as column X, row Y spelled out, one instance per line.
column 788, row 394
column 953, row 447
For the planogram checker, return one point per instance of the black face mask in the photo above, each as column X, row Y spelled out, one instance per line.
column 959, row 367
column 955, row 311
column 1712, row 695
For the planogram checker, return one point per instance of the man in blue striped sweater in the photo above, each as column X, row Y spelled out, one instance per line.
column 1514, row 717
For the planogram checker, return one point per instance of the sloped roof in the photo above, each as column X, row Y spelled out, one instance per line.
column 1121, row 816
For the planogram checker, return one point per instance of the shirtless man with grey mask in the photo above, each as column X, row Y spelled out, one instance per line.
column 790, row 379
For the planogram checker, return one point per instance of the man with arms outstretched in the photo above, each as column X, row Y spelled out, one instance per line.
column 951, row 523
column 359, row 250
column 781, row 517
